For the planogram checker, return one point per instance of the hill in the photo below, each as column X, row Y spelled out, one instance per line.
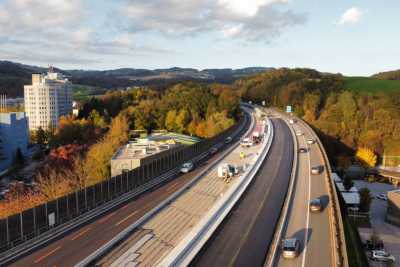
column 370, row 85
column 388, row 75
column 13, row 76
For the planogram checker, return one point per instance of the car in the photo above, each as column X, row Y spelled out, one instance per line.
column 228, row 140
column 382, row 196
column 187, row 167
column 316, row 205
column 299, row 133
column 382, row 255
column 291, row 121
column 246, row 142
column 316, row 170
column 310, row 141
column 302, row 150
column 213, row 150
column 290, row 248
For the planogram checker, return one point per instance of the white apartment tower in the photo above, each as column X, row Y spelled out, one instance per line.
column 47, row 99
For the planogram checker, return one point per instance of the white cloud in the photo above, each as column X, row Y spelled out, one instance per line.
column 251, row 20
column 351, row 16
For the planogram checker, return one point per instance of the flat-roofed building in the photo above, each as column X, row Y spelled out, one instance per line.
column 141, row 152
column 47, row 99
column 393, row 208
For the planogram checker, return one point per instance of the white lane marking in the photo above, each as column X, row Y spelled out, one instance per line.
column 308, row 206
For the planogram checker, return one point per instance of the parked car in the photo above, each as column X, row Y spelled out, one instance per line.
column 228, row 140
column 382, row 196
column 187, row 167
column 291, row 121
column 369, row 245
column 299, row 133
column 302, row 150
column 316, row 205
column 316, row 170
column 290, row 248
column 213, row 150
column 381, row 255
column 310, row 141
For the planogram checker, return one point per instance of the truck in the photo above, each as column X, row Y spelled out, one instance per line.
column 256, row 137
column 227, row 171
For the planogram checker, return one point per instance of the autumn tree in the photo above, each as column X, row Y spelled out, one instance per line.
column 366, row 156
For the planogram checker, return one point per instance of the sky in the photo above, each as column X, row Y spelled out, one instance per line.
column 343, row 36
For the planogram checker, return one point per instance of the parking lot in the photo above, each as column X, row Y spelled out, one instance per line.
column 389, row 233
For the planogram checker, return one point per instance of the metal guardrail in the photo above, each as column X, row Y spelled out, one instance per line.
column 272, row 254
column 187, row 249
column 337, row 229
column 88, row 261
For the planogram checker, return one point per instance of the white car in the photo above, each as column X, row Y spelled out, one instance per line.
column 187, row 167
column 246, row 142
column 381, row 255
column 310, row 141
column 291, row 121
column 382, row 197
column 299, row 133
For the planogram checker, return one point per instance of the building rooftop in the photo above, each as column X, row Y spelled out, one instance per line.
column 341, row 188
column 351, row 198
column 142, row 148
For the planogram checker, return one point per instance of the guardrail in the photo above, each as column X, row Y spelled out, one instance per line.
column 337, row 229
column 187, row 249
column 88, row 261
column 53, row 233
column 272, row 254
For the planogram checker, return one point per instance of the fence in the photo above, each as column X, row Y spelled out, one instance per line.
column 23, row 226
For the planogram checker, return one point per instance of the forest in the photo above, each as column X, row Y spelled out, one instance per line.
column 81, row 147
column 345, row 119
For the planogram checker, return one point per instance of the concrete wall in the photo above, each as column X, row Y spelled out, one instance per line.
column 14, row 134
column 393, row 209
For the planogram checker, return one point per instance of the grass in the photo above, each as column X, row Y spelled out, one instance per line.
column 371, row 85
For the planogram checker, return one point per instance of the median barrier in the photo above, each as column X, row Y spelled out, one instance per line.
column 187, row 249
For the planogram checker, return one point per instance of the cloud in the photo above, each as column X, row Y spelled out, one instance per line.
column 251, row 20
column 351, row 16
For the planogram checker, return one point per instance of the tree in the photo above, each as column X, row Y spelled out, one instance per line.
column 19, row 158
column 366, row 156
column 365, row 199
column 347, row 183
column 170, row 120
column 40, row 136
column 182, row 120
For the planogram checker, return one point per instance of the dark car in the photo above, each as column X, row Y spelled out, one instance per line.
column 315, row 205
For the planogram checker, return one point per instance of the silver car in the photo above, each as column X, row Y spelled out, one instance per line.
column 290, row 248
column 316, row 170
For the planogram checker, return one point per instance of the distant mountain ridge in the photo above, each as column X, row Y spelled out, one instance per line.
column 388, row 75
column 14, row 75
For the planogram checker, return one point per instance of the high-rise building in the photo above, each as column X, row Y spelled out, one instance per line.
column 47, row 99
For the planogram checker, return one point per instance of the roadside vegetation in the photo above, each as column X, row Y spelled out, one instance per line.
column 81, row 147
column 346, row 120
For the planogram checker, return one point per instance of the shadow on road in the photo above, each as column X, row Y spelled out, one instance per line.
column 324, row 201
column 300, row 235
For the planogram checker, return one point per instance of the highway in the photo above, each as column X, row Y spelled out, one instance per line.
column 77, row 245
column 244, row 237
column 312, row 229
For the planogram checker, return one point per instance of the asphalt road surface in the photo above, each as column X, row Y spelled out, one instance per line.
column 311, row 229
column 78, row 244
column 244, row 237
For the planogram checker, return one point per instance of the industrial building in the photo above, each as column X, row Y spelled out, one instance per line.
column 393, row 208
column 47, row 99
column 14, row 135
column 141, row 151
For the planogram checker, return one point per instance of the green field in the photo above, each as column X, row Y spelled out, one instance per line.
column 370, row 85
